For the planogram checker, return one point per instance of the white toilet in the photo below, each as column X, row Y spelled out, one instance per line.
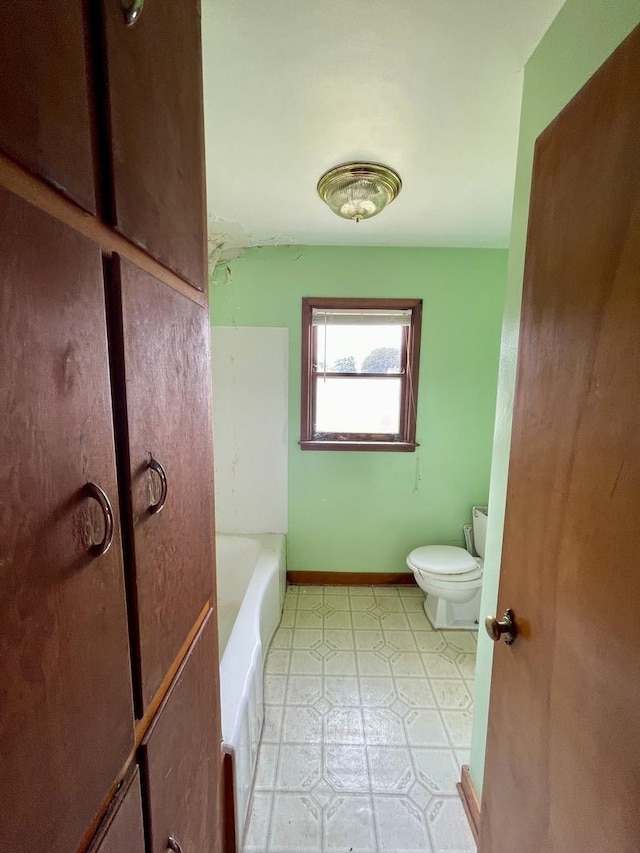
column 451, row 577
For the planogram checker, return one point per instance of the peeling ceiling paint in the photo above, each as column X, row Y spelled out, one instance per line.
column 432, row 88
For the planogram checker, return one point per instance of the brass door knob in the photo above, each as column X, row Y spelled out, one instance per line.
column 505, row 627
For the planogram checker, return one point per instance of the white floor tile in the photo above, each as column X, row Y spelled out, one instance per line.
column 373, row 663
column 340, row 663
column 346, row 769
column 307, row 638
column 448, row 827
column 301, row 725
column 343, row 725
column 296, row 824
column 383, row 726
column 341, row 639
column 425, row 728
column 367, row 723
column 400, row 826
column 342, row 691
column 459, row 724
column 437, row 769
column 401, row 641
column 338, row 619
column 451, row 693
column 277, row 662
column 349, row 826
column 377, row 692
column 304, row 689
column 338, row 602
column 391, row 769
column 266, row 767
column 305, row 662
column 299, row 767
column 272, row 725
column 258, row 829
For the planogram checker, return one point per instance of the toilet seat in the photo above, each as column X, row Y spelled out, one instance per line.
column 466, row 580
column 447, row 561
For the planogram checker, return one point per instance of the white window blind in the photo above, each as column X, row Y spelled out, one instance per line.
column 356, row 317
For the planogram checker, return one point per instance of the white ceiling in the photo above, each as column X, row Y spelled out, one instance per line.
column 429, row 87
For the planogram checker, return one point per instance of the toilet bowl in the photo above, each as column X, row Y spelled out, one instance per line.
column 451, row 578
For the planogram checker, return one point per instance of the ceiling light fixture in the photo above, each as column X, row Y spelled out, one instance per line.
column 359, row 190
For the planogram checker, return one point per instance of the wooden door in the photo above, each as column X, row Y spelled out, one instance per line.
column 563, row 756
column 123, row 830
column 66, row 719
column 154, row 103
column 182, row 755
column 166, row 370
column 44, row 97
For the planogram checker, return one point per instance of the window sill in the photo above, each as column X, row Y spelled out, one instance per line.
column 380, row 446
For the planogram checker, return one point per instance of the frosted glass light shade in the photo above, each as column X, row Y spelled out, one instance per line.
column 359, row 190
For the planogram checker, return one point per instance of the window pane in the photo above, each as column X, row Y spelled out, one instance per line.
column 359, row 349
column 357, row 405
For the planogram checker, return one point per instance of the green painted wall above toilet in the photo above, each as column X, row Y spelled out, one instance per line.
column 364, row 511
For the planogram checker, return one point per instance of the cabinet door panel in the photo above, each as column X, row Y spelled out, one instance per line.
column 168, row 386
column 154, row 81
column 183, row 754
column 44, row 98
column 66, row 719
column 124, row 832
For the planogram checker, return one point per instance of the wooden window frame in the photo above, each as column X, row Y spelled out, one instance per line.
column 410, row 359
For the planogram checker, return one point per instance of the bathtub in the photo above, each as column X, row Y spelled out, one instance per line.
column 251, row 585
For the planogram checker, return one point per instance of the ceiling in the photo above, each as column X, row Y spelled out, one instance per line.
column 429, row 87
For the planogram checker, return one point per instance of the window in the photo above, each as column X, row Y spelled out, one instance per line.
column 360, row 373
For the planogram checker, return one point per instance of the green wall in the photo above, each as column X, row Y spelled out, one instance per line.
column 358, row 511
column 583, row 34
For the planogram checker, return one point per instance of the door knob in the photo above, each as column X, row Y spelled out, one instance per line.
column 505, row 627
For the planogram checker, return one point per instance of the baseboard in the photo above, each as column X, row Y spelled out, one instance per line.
column 470, row 800
column 351, row 578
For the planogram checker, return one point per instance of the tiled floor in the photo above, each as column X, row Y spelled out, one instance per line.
column 367, row 721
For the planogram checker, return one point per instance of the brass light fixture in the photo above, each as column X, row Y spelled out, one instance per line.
column 359, row 190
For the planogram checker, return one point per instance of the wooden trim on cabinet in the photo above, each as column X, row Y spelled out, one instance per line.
column 103, row 812
column 113, row 807
column 228, row 804
column 142, row 725
column 351, row 578
column 469, row 797
column 18, row 181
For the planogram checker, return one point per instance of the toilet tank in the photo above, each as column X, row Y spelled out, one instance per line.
column 479, row 529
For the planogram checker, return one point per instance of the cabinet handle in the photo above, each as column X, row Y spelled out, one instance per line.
column 132, row 12
column 154, row 465
column 94, row 491
column 173, row 845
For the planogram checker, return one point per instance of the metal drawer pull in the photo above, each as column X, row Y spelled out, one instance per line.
column 173, row 846
column 154, row 465
column 132, row 12
column 94, row 491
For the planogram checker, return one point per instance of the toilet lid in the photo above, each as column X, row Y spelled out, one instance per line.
column 443, row 560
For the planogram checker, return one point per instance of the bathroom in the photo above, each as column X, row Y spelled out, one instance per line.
column 358, row 709
column 359, row 513
column 319, row 344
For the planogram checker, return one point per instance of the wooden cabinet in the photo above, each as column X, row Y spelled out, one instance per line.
column 182, row 755
column 44, row 94
column 104, row 416
column 166, row 377
column 123, row 830
column 154, row 114
column 66, row 719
